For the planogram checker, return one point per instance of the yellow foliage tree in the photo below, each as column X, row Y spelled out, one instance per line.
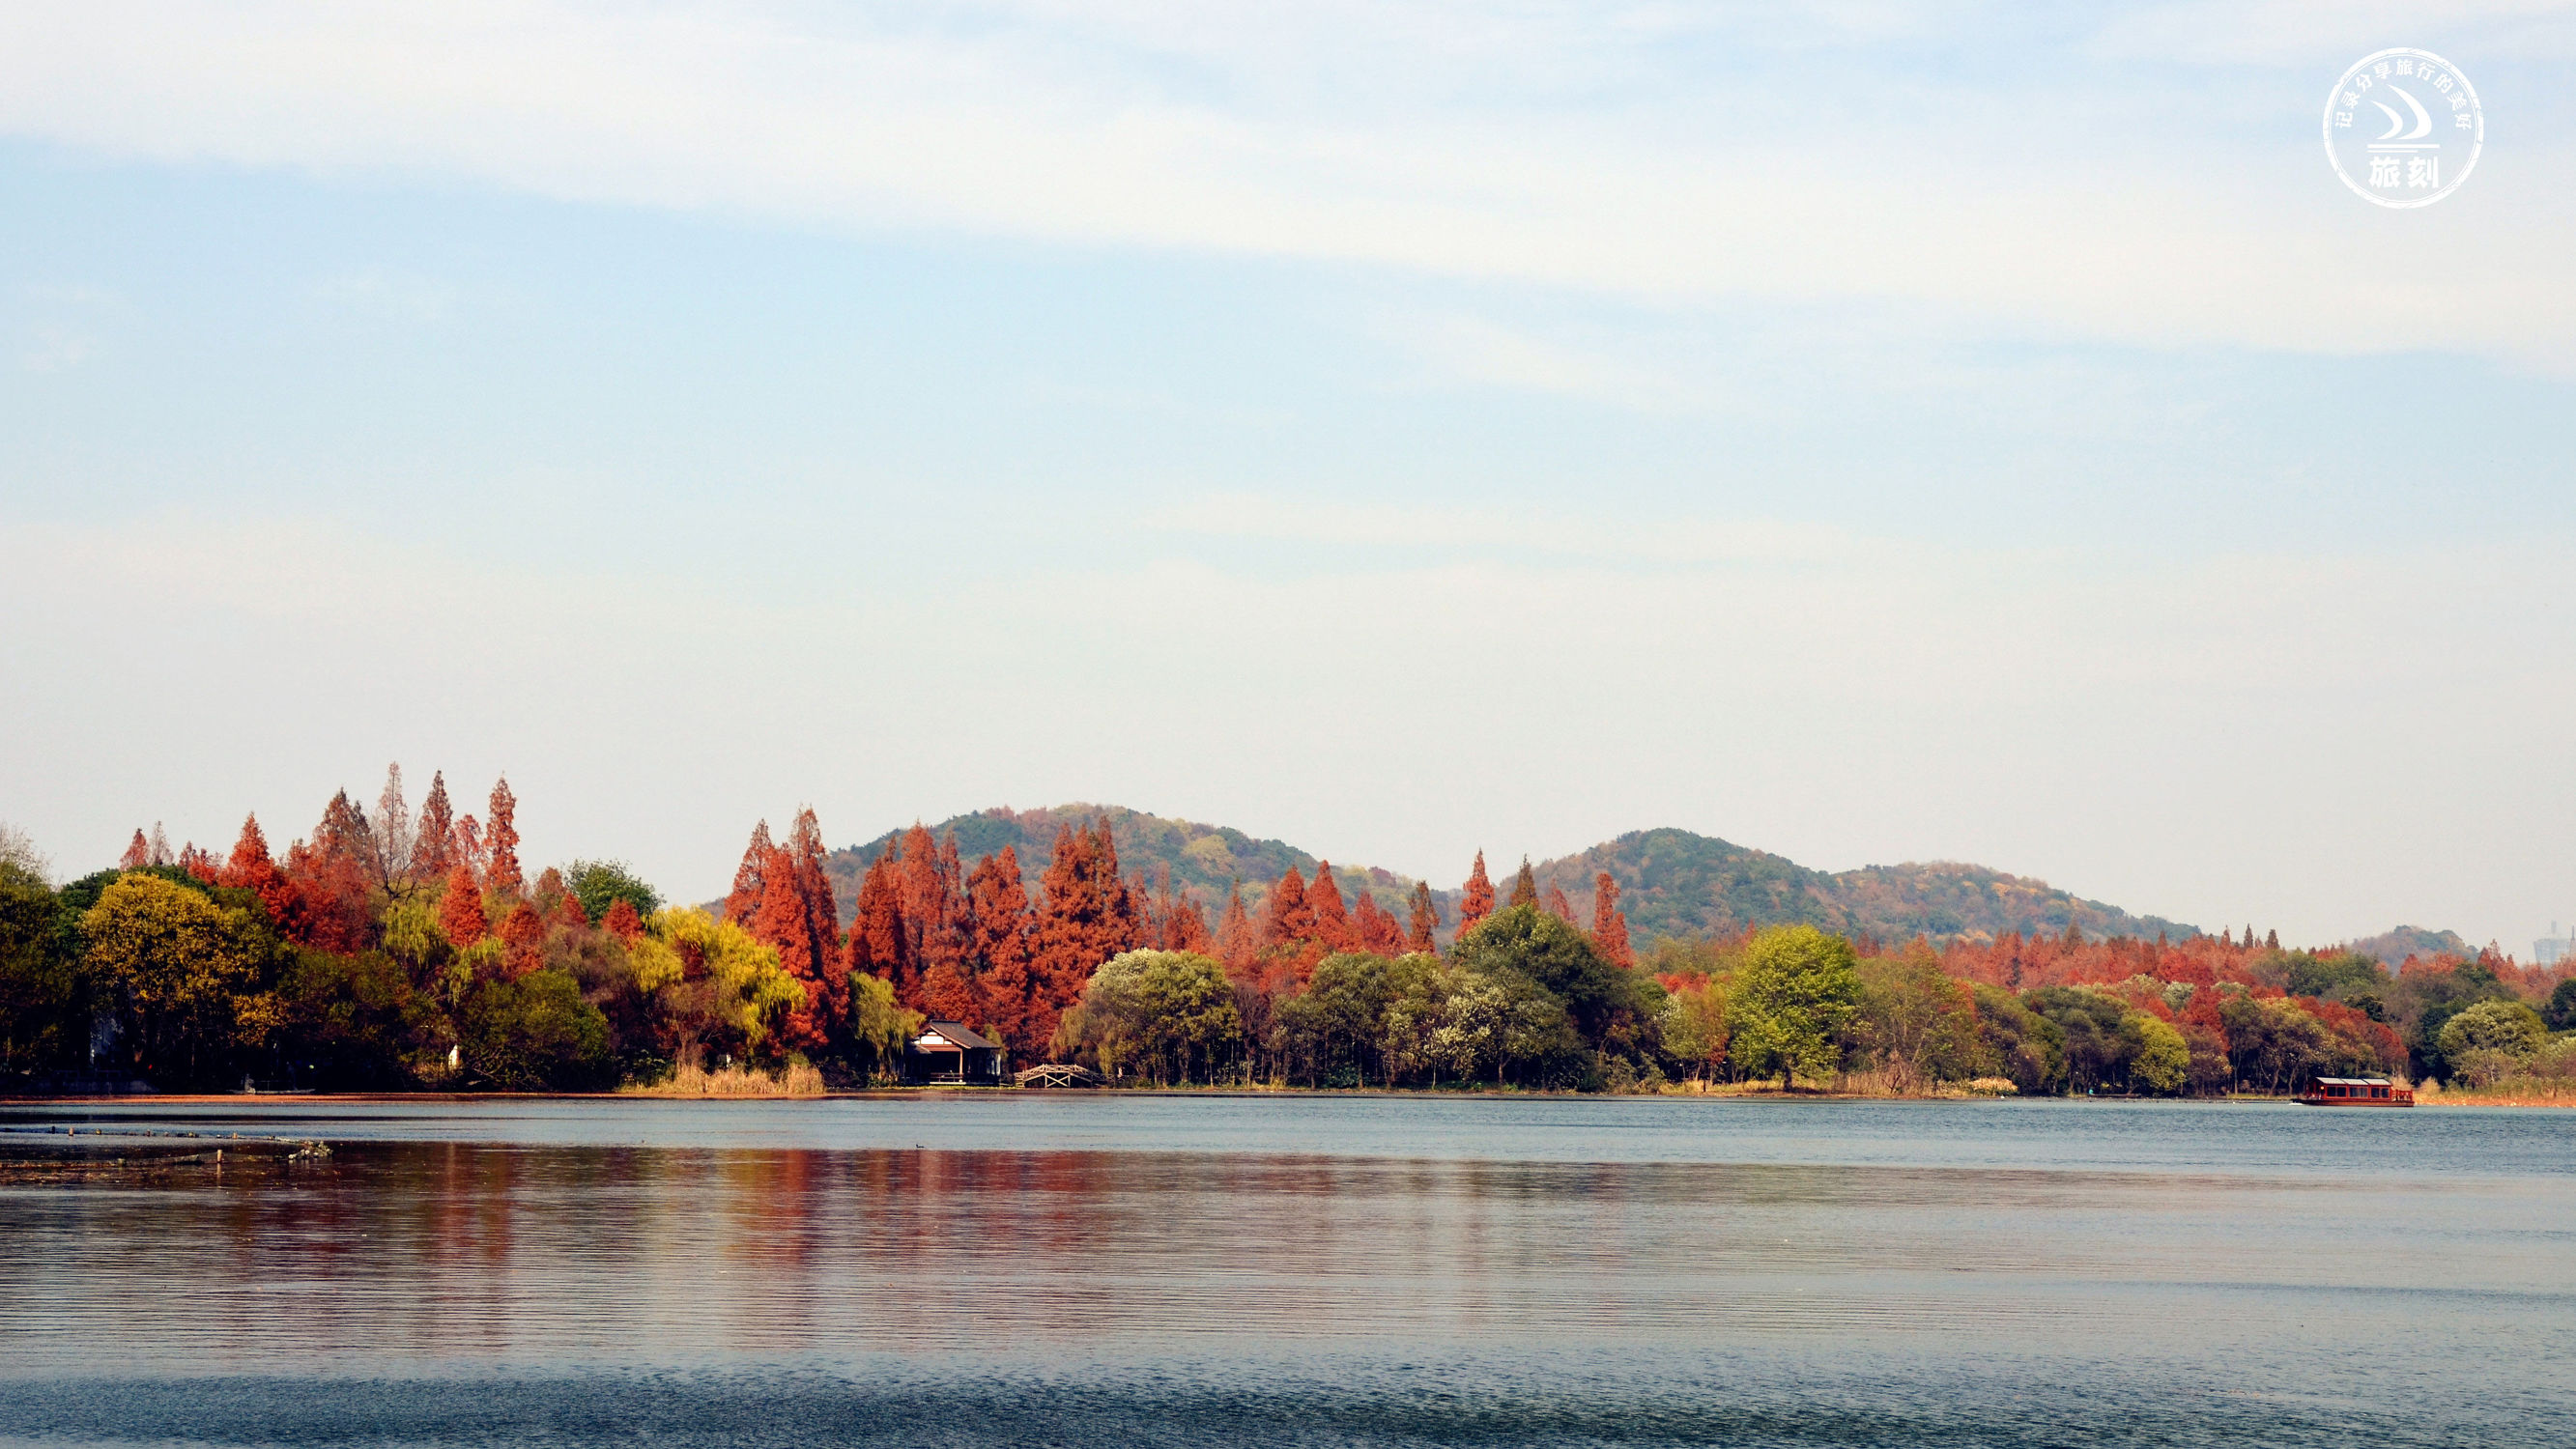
column 712, row 977
column 185, row 968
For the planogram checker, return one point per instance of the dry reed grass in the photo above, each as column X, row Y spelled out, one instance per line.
column 2512, row 1092
column 689, row 1079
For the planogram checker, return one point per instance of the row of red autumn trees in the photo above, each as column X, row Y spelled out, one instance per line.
column 325, row 894
column 970, row 944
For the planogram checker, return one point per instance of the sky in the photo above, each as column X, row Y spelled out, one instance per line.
column 1866, row 431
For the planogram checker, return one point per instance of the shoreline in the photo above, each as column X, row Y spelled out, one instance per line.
column 1770, row 1095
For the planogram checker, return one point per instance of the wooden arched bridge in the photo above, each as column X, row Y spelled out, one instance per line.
column 1058, row 1074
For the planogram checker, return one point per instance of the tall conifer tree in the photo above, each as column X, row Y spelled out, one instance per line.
column 880, row 942
column 460, row 911
column 1087, row 917
column 998, row 932
column 748, row 882
column 251, row 868
column 1422, row 932
column 1479, row 902
column 1559, row 904
column 1609, row 923
column 1238, row 940
column 1286, row 918
column 818, row 919
column 1324, row 901
column 501, row 843
column 433, row 849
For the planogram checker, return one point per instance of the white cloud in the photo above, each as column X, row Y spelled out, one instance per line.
column 1520, row 532
column 2335, row 32
column 390, row 293
column 57, row 349
column 1548, row 145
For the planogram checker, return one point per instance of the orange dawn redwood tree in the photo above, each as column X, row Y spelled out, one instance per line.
column 501, row 843
column 1286, row 919
column 433, row 851
column 879, row 943
column 1421, row 931
column 251, row 868
column 1374, row 929
column 622, row 922
column 748, row 877
column 460, row 911
column 1087, row 917
column 332, row 876
column 796, row 916
column 1324, row 901
column 523, row 934
column 1609, row 923
column 1238, row 940
column 998, row 924
column 1480, row 897
column 1559, row 904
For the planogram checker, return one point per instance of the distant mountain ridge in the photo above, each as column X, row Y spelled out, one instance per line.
column 1677, row 883
column 1672, row 882
column 2391, row 948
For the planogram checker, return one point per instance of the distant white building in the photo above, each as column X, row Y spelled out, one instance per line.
column 2553, row 948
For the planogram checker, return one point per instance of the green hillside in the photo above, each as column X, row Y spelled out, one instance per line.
column 1672, row 882
column 1675, row 883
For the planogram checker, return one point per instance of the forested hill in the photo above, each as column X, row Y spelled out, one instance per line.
column 1672, row 882
column 1208, row 859
column 1675, row 883
column 2390, row 947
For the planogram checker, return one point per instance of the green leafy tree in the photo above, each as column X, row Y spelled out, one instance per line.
column 43, row 1017
column 879, row 1025
column 2486, row 1041
column 1163, row 1013
column 600, row 884
column 2337, row 976
column 1419, row 986
column 2019, row 1043
column 1796, row 991
column 1502, row 1022
column 1921, row 1024
column 2560, row 1013
column 2159, row 1058
column 534, row 1034
column 1692, row 1027
column 357, row 1023
column 1333, row 1028
column 2096, row 1051
column 1602, row 999
column 2432, row 998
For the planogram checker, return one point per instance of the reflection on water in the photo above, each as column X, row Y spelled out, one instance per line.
column 421, row 1287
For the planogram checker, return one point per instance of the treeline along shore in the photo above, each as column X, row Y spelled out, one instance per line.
column 409, row 950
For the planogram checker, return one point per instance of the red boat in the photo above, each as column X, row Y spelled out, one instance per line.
column 2356, row 1092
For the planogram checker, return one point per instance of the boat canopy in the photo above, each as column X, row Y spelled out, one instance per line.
column 2352, row 1081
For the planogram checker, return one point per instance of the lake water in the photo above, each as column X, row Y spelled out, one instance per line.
column 1110, row 1270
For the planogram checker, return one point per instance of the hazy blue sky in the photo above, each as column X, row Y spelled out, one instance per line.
column 1871, row 432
